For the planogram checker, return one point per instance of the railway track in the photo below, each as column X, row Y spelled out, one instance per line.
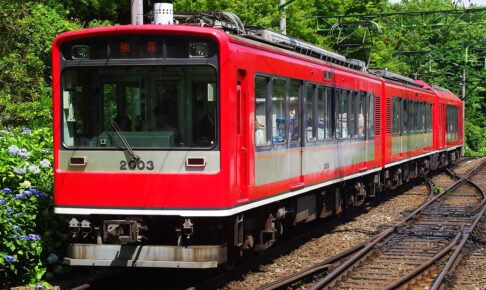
column 407, row 254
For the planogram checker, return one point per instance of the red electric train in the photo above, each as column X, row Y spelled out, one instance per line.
column 186, row 145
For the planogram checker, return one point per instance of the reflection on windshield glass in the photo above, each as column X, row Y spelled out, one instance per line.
column 158, row 107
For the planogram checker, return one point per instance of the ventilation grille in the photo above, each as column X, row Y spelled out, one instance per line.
column 377, row 116
column 389, row 128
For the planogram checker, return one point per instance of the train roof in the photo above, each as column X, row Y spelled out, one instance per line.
column 446, row 96
column 268, row 39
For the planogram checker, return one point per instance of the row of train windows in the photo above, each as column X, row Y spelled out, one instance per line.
column 411, row 117
column 282, row 104
column 452, row 119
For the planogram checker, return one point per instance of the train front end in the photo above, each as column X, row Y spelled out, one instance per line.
column 139, row 172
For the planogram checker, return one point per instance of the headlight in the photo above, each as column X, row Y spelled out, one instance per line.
column 198, row 50
column 80, row 52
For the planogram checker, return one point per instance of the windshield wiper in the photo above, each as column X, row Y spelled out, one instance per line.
column 124, row 140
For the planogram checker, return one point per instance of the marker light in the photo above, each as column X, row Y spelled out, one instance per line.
column 80, row 52
column 152, row 47
column 124, row 47
column 198, row 50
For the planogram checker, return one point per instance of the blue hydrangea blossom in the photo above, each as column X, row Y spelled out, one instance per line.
column 34, row 169
column 33, row 237
column 44, row 163
column 7, row 190
column 13, row 150
column 20, row 171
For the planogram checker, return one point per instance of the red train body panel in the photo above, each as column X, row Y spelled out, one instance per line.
column 343, row 128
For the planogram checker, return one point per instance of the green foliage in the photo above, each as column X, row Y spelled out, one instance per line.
column 26, row 222
column 27, row 31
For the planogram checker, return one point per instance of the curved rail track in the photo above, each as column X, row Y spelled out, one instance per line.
column 409, row 252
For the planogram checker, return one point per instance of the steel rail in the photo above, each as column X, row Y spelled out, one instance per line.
column 321, row 266
column 339, row 270
column 452, row 260
column 327, row 263
column 440, row 279
column 427, row 264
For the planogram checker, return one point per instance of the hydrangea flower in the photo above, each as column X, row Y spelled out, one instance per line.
column 27, row 193
column 23, row 153
column 2, row 202
column 9, row 219
column 34, row 169
column 27, row 131
column 7, row 132
column 23, row 238
column 19, row 196
column 16, row 227
column 9, row 259
column 33, row 237
column 26, row 184
column 40, row 195
column 9, row 210
column 6, row 190
column 44, row 163
column 20, row 171
column 52, row 258
column 47, row 150
column 16, row 236
column 13, row 150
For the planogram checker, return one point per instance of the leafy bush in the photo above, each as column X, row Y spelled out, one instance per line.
column 26, row 219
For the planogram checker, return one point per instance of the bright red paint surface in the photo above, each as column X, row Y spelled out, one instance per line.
column 235, row 182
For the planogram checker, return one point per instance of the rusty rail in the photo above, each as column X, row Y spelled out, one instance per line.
column 358, row 256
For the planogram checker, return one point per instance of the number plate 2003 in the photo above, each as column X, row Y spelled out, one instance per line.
column 136, row 165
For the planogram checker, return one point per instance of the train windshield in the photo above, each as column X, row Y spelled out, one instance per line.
column 153, row 106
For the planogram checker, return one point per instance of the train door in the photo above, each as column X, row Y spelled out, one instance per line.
column 442, row 125
column 242, row 127
column 295, row 132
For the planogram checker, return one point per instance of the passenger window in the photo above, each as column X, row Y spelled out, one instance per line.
column 371, row 115
column 204, row 114
column 428, row 117
column 310, row 113
column 396, row 116
column 321, row 113
column 278, row 111
column 361, row 114
column 422, row 117
column 342, row 114
column 328, row 114
column 261, row 84
column 124, row 110
column 404, row 117
column 412, row 116
column 294, row 110
column 352, row 114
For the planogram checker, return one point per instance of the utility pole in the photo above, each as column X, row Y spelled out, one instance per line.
column 282, row 4
column 137, row 12
column 463, row 77
column 283, row 19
